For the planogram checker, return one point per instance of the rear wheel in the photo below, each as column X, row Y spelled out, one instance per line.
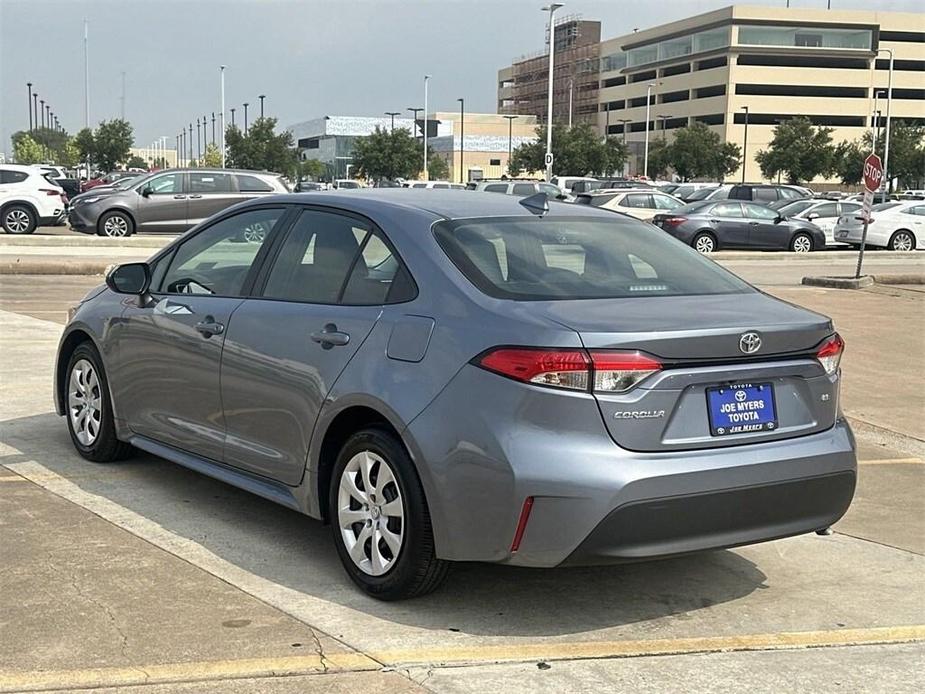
column 380, row 519
column 88, row 408
column 902, row 240
column 19, row 219
column 116, row 224
column 801, row 243
column 704, row 242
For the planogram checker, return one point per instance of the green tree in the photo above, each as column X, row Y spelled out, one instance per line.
column 212, row 157
column 437, row 168
column 799, row 150
column 578, row 150
column 136, row 162
column 85, row 144
column 112, row 141
column 261, row 148
column 69, row 155
column 849, row 161
column 907, row 156
column 387, row 155
column 53, row 144
column 699, row 152
column 659, row 158
column 312, row 168
column 26, row 150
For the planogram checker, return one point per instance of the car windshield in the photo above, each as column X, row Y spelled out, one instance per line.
column 700, row 194
column 565, row 258
column 884, row 206
column 791, row 209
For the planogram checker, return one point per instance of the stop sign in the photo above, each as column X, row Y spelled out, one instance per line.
column 873, row 172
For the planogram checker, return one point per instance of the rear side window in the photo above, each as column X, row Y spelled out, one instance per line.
column 740, row 193
column 8, row 176
column 829, row 209
column 523, row 189
column 209, row 183
column 641, row 200
column 496, row 188
column 252, row 184
column 441, row 186
column 727, row 209
column 546, row 259
column 765, row 194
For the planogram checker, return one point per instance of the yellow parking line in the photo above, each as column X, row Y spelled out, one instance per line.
column 893, row 461
column 340, row 662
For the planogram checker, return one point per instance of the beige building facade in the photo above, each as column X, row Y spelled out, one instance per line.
column 484, row 139
column 773, row 62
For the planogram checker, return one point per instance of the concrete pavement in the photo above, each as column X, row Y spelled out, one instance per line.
column 142, row 571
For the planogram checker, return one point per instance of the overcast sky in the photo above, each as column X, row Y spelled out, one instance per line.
column 310, row 57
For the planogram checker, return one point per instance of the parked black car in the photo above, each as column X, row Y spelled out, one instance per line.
column 767, row 192
column 710, row 226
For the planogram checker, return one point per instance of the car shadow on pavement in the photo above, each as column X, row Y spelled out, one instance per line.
column 297, row 552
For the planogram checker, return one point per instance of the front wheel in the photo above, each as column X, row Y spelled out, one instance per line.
column 902, row 240
column 116, row 225
column 704, row 242
column 19, row 219
column 380, row 519
column 801, row 243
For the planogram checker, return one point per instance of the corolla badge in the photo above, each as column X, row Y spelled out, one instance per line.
column 749, row 343
column 639, row 414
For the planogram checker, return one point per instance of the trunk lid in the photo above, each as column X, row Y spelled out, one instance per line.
column 697, row 338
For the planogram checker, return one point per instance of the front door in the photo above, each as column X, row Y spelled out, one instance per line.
column 285, row 350
column 168, row 352
column 162, row 203
column 209, row 193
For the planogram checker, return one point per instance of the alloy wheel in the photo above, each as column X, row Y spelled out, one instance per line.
column 85, row 402
column 17, row 221
column 902, row 241
column 370, row 513
column 802, row 244
column 115, row 225
column 705, row 244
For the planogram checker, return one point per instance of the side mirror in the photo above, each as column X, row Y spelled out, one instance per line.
column 812, row 215
column 130, row 278
column 778, row 219
column 146, row 191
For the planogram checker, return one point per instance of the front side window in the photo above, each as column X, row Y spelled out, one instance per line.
column 829, row 209
column 168, row 184
column 639, row 200
column 217, row 259
column 664, row 202
column 849, row 207
column 547, row 259
column 209, row 183
column 759, row 212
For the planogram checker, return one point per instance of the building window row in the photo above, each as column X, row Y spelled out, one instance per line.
column 820, row 61
column 805, row 37
column 614, row 82
column 904, row 65
column 775, row 118
column 903, row 36
column 711, row 63
column 805, row 90
column 676, row 69
column 665, row 124
column 700, row 42
column 643, row 76
column 706, row 92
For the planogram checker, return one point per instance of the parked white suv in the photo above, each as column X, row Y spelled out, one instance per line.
column 28, row 199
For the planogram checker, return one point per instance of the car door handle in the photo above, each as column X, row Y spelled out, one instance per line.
column 179, row 197
column 330, row 337
column 210, row 327
column 194, row 197
column 753, row 224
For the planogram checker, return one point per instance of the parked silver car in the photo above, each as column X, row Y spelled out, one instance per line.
column 169, row 201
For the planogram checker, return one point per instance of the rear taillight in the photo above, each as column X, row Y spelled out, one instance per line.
column 603, row 371
column 673, row 221
column 49, row 191
column 617, row 372
column 829, row 354
column 564, row 368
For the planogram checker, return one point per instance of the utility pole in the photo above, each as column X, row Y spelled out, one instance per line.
column 645, row 160
column 123, row 97
column 35, row 107
column 245, row 117
column 426, row 80
column 198, row 141
column 29, row 105
column 745, row 145
column 222, row 116
column 462, row 136
column 86, row 74
column 510, row 139
column 232, row 118
column 190, row 142
column 42, row 112
column 213, row 127
column 261, row 97
column 551, row 8
column 887, row 174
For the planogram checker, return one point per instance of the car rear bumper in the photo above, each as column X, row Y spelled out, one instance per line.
column 596, row 502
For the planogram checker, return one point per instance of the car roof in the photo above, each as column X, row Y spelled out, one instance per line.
column 28, row 168
column 449, row 204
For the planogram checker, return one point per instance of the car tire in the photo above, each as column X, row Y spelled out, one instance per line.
column 383, row 536
column 19, row 219
column 704, row 242
column 88, row 409
column 801, row 243
column 902, row 240
column 115, row 225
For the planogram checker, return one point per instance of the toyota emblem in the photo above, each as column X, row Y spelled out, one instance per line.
column 749, row 343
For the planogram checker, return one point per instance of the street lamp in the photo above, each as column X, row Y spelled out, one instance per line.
column 47, row 116
column 889, row 103
column 662, row 117
column 393, row 114
column 29, row 105
column 232, row 118
column 213, row 127
column 624, row 121
column 221, row 123
column 42, row 112
column 510, row 138
column 190, row 142
column 414, row 113
column 35, row 106
column 261, row 97
column 551, row 8
column 426, row 81
column 462, row 134
column 645, row 159
column 245, row 117
column 571, row 88
column 198, row 141
column 745, row 145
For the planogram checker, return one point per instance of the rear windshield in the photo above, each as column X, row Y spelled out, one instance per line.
column 564, row 258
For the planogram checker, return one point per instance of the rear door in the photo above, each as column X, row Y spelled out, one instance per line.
column 285, row 348
column 764, row 229
column 162, row 204
column 210, row 193
column 730, row 223
column 165, row 368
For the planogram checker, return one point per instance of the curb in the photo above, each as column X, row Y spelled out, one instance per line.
column 899, row 279
column 23, row 266
column 839, row 282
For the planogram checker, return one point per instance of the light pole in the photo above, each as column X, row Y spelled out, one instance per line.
column 393, row 114
column 177, row 150
column 221, row 119
column 190, row 143
column 426, row 81
column 414, row 113
column 462, row 135
column 510, row 138
column 35, row 106
column 645, row 159
column 551, row 8
column 571, row 88
column 261, row 97
column 887, row 177
column 662, row 118
column 626, row 162
column 245, row 117
column 29, row 105
column 232, row 118
column 86, row 75
column 48, row 116
column 213, row 127
column 42, row 112
column 198, row 141
column 745, row 145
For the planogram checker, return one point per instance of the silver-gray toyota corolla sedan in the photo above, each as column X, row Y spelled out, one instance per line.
column 458, row 376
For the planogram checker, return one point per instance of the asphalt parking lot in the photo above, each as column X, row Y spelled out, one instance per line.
column 144, row 573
